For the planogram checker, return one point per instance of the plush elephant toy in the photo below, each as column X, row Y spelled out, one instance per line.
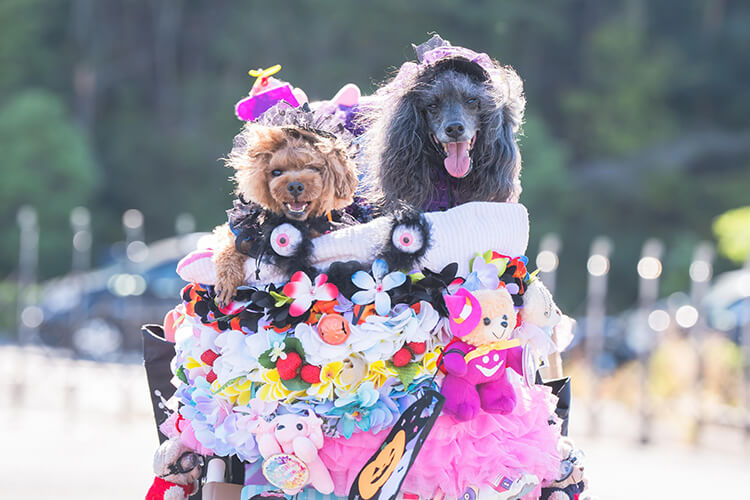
column 300, row 436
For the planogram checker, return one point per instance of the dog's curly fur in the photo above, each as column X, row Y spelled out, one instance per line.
column 266, row 160
column 402, row 157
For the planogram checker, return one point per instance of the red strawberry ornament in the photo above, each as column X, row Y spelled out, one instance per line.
column 402, row 357
column 310, row 374
column 417, row 347
column 209, row 357
column 289, row 367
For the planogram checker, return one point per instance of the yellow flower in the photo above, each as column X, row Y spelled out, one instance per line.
column 379, row 372
column 328, row 374
column 428, row 365
column 273, row 389
column 192, row 363
column 238, row 392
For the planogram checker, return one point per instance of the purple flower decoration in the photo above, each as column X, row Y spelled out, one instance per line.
column 375, row 288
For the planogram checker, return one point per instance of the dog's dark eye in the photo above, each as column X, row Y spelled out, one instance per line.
column 275, row 173
column 471, row 101
column 432, row 106
column 487, row 321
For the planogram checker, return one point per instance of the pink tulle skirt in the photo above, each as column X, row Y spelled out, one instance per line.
column 461, row 454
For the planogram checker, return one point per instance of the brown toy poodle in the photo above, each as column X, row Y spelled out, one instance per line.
column 298, row 173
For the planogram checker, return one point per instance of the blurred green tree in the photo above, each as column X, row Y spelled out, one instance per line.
column 46, row 163
column 732, row 230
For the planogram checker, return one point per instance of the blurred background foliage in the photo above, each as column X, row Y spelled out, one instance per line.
column 638, row 112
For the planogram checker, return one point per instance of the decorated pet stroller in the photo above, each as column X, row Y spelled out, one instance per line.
column 327, row 345
column 401, row 359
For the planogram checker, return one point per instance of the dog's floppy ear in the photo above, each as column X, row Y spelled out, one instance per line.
column 251, row 152
column 252, row 145
column 406, row 152
column 343, row 174
column 496, row 152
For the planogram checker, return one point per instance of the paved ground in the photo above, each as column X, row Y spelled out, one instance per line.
column 83, row 431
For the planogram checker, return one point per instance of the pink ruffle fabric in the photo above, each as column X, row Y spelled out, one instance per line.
column 461, row 454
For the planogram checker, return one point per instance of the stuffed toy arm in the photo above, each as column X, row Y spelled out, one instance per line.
column 305, row 449
column 268, row 445
column 455, row 363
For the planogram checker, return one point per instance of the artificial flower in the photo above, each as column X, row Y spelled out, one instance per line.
column 379, row 372
column 239, row 354
column 304, row 292
column 375, row 288
column 328, row 374
column 273, row 389
column 428, row 365
column 483, row 276
column 277, row 351
column 240, row 391
column 367, row 410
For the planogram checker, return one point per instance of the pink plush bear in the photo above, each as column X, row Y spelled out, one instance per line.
column 476, row 362
column 300, row 436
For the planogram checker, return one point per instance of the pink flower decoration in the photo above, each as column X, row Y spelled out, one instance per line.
column 304, row 292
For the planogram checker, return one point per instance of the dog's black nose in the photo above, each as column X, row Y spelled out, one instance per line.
column 454, row 130
column 295, row 188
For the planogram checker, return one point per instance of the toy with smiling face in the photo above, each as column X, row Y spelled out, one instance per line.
column 476, row 361
column 301, row 437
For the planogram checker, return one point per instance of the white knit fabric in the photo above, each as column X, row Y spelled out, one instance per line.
column 457, row 235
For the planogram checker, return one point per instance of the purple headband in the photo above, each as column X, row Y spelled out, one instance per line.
column 410, row 69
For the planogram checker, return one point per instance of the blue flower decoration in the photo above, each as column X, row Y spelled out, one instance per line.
column 366, row 410
column 375, row 288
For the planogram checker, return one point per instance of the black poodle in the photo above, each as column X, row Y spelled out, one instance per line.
column 443, row 131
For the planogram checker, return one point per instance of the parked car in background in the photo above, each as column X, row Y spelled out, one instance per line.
column 728, row 304
column 99, row 313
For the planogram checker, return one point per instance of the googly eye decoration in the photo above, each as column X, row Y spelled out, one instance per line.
column 285, row 239
column 407, row 238
column 407, row 241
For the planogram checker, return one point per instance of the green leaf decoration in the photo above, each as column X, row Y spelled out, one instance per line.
column 293, row 344
column 405, row 373
column 181, row 374
column 532, row 277
column 501, row 265
column 415, row 277
column 296, row 384
column 228, row 383
column 280, row 298
column 265, row 360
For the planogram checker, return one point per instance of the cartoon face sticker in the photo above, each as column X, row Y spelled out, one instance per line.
column 489, row 364
column 378, row 471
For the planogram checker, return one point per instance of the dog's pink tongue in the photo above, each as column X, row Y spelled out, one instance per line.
column 458, row 161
